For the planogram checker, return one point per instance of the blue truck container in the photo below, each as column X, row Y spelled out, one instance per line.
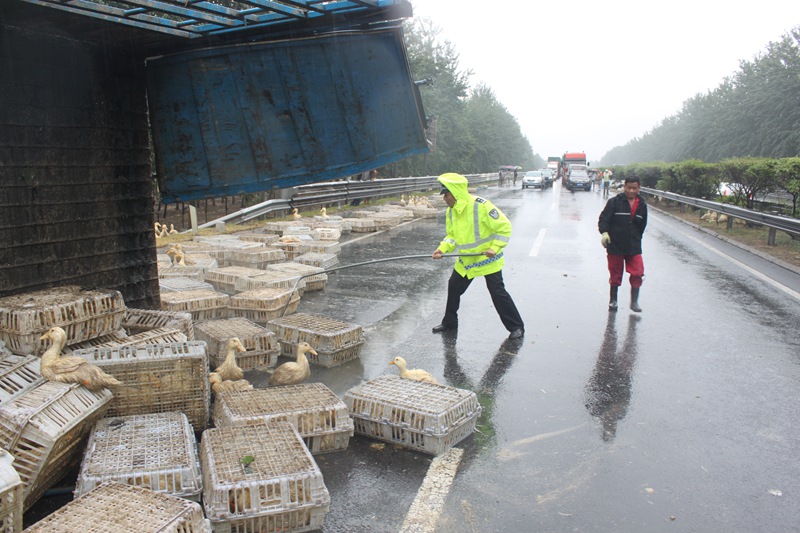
column 267, row 115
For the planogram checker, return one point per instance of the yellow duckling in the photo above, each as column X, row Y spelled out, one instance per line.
column 172, row 230
column 157, row 227
column 296, row 215
column 229, row 370
column 71, row 369
column 218, row 385
column 415, row 374
column 323, row 212
column 292, row 373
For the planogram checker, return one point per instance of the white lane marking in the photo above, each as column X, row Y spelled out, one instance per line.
column 756, row 273
column 538, row 242
column 428, row 505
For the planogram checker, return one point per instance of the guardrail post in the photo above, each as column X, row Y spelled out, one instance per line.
column 730, row 222
column 771, row 238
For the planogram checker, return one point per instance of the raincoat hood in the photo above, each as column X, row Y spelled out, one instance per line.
column 457, row 185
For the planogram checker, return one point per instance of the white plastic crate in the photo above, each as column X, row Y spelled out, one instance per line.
column 18, row 373
column 362, row 225
column 44, row 428
column 141, row 320
column 261, row 344
column 423, row 416
column 224, row 279
column 324, row 261
column 112, row 339
column 10, row 495
column 155, row 451
column 271, row 278
column 281, row 483
column 83, row 314
column 165, row 335
column 201, row 304
column 298, row 230
column 320, row 247
column 277, row 226
column 258, row 258
column 183, row 284
column 171, row 271
column 263, row 238
column 329, row 234
column 116, row 507
column 424, row 212
column 318, row 415
column 157, row 378
column 263, row 305
column 334, row 341
column 315, row 279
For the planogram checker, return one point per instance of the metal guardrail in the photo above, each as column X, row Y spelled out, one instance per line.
column 330, row 192
column 773, row 222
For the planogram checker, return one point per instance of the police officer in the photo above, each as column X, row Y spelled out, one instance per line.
column 475, row 226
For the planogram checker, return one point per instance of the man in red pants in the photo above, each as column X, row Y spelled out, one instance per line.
column 621, row 226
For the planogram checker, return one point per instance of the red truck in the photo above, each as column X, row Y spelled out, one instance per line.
column 571, row 158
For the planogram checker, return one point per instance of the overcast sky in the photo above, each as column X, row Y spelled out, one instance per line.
column 590, row 75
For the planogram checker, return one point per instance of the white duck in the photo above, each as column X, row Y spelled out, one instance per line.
column 415, row 374
column 323, row 212
column 218, row 385
column 71, row 369
column 296, row 215
column 292, row 373
column 229, row 370
column 172, row 230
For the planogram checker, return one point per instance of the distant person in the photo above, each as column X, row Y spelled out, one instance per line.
column 515, row 177
column 621, row 225
column 475, row 226
column 606, row 183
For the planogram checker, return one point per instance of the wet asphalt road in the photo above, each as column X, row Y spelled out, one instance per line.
column 682, row 418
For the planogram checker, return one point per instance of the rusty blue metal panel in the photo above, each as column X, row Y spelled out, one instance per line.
column 262, row 116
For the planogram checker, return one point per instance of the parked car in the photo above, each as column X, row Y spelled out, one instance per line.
column 548, row 176
column 578, row 179
column 533, row 178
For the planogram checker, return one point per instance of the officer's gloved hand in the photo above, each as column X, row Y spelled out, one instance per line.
column 605, row 239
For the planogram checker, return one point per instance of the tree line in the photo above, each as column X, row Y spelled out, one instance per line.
column 754, row 113
column 470, row 131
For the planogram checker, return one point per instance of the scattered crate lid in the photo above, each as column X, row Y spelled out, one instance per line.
column 82, row 313
column 318, row 415
column 335, row 342
column 315, row 277
column 320, row 260
column 251, row 473
column 423, row 416
column 157, row 378
column 125, row 508
column 154, row 451
column 44, row 428
column 258, row 258
column 18, row 373
column 261, row 344
column 201, row 304
column 183, row 283
column 10, row 495
column 141, row 320
column 271, row 278
column 224, row 279
column 263, row 305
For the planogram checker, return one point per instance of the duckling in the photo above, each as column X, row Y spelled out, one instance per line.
column 323, row 212
column 71, row 369
column 157, row 227
column 218, row 385
column 403, row 200
column 164, row 231
column 172, row 230
column 229, row 370
column 416, row 373
column 296, row 215
column 292, row 373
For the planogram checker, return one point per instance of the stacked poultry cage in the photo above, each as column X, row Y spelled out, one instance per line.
column 318, row 415
column 271, row 278
column 156, row 452
column 256, row 257
column 224, row 279
column 335, row 342
column 201, row 304
column 319, row 260
column 314, row 280
column 183, row 284
column 10, row 495
column 261, row 344
column 261, row 478
column 426, row 417
column 142, row 320
column 157, row 378
column 263, row 305
column 18, row 374
column 120, row 507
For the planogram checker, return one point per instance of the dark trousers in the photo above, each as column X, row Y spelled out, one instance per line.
column 502, row 301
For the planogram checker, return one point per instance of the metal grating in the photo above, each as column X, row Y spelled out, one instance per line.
column 196, row 18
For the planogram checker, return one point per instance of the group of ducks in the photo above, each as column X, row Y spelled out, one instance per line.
column 162, row 231
column 226, row 377
column 419, row 201
column 177, row 255
column 297, row 216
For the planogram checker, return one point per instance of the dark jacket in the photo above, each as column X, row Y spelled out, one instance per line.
column 626, row 232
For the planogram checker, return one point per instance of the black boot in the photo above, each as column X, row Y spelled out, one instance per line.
column 612, row 301
column 635, row 300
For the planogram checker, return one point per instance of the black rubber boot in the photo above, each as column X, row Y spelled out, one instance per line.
column 635, row 300
column 612, row 301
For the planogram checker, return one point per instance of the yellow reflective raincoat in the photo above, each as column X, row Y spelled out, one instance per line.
column 473, row 226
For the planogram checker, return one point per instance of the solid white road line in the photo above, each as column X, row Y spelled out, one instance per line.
column 756, row 273
column 427, row 506
column 538, row 242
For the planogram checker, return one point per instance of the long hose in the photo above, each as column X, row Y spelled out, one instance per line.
column 372, row 262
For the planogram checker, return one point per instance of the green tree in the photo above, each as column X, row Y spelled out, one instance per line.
column 787, row 172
